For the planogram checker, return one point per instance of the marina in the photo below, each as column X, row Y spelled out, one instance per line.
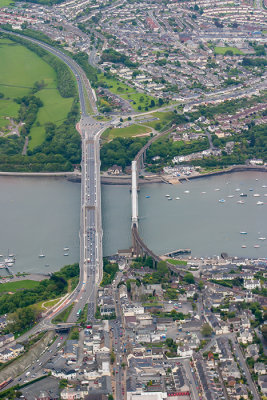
column 209, row 225
column 47, row 212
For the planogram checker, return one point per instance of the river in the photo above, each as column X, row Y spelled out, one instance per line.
column 41, row 215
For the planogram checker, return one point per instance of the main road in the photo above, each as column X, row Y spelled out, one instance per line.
column 91, row 268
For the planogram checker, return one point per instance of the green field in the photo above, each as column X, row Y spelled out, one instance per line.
column 18, row 285
column 55, row 110
column 19, row 70
column 128, row 93
column 5, row 3
column 223, row 50
column 129, row 131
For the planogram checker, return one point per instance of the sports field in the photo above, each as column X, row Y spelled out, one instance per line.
column 223, row 50
column 20, row 68
column 129, row 131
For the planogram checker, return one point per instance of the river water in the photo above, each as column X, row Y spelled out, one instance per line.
column 41, row 215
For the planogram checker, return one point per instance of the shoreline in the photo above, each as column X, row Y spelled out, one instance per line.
column 236, row 168
column 126, row 180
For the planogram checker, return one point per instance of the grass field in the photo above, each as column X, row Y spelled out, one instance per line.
column 163, row 119
column 5, row 3
column 128, row 93
column 176, row 262
column 223, row 50
column 55, row 110
column 19, row 69
column 19, row 285
column 129, row 131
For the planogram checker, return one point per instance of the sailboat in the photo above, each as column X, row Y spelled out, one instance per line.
column 41, row 255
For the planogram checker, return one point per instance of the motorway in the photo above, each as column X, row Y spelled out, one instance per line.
column 91, row 269
column 90, row 220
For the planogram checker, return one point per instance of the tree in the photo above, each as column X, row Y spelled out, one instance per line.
column 112, row 357
column 264, row 332
column 22, row 319
column 206, row 330
column 200, row 285
column 189, row 278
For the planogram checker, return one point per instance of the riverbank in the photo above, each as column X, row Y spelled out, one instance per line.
column 127, row 179
column 40, row 174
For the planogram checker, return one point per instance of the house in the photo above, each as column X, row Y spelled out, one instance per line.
column 245, row 336
column 64, row 373
column 115, row 170
column 253, row 351
column 240, row 392
column 70, row 393
column 5, row 339
column 71, row 350
column 6, row 355
column 262, row 382
column 184, row 351
column 260, row 368
column 3, row 322
column 251, row 284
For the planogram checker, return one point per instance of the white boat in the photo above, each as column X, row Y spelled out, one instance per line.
column 244, row 246
column 240, row 202
column 186, row 191
column 66, row 249
column 251, row 190
column 177, row 198
column 221, row 201
column 9, row 264
column 265, row 194
column 256, row 246
column 1, row 255
column 243, row 233
column 216, row 190
column 9, row 260
column 66, row 254
column 262, row 238
column 167, row 195
column 260, row 203
column 256, row 195
column 237, row 190
column 230, row 196
column 41, row 255
column 203, row 192
column 264, row 186
column 169, row 198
